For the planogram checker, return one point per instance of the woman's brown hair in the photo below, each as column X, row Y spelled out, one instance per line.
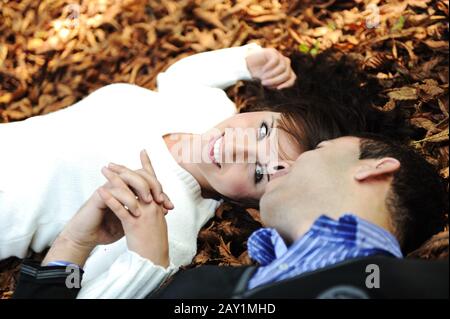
column 332, row 97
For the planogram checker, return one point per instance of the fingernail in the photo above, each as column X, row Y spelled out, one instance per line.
column 149, row 198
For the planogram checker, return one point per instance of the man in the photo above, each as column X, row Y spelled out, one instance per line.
column 342, row 217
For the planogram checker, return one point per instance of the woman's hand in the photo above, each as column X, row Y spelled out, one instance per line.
column 143, row 222
column 146, row 185
column 96, row 224
column 271, row 68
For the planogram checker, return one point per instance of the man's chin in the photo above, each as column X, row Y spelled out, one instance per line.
column 273, row 186
column 267, row 202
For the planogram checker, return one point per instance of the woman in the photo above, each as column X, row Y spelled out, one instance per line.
column 51, row 164
column 58, row 164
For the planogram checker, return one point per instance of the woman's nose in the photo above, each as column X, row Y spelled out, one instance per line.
column 245, row 151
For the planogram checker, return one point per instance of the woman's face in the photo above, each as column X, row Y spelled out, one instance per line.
column 244, row 154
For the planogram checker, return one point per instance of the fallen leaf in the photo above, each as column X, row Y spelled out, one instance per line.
column 404, row 93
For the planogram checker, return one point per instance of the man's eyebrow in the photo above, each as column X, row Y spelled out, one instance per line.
column 268, row 135
column 271, row 126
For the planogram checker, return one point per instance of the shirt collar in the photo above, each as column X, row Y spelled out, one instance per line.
column 266, row 245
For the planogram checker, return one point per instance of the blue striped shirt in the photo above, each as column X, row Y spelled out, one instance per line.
column 328, row 242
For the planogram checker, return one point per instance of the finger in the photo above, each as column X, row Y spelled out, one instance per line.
column 289, row 82
column 279, row 69
column 134, row 180
column 155, row 186
column 278, row 79
column 168, row 203
column 114, row 205
column 113, row 178
column 146, row 163
column 121, row 191
column 284, row 63
column 130, row 202
column 273, row 60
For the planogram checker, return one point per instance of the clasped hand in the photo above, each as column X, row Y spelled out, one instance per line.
column 130, row 203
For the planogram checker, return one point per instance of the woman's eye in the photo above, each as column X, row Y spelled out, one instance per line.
column 259, row 173
column 263, row 131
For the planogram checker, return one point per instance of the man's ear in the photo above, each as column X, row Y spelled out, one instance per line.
column 384, row 166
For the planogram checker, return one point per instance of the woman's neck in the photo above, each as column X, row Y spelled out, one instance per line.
column 181, row 148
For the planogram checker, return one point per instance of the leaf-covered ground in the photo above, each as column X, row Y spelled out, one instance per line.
column 54, row 52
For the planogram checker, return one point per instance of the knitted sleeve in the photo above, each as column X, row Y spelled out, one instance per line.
column 217, row 69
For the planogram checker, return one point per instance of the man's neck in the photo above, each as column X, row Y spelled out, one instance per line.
column 371, row 210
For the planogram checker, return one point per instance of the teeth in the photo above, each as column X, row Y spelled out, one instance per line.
column 217, row 146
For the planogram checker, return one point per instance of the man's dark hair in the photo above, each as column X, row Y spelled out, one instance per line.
column 418, row 203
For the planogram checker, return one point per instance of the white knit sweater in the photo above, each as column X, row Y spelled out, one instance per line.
column 50, row 165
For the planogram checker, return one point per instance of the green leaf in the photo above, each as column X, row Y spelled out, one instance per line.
column 398, row 26
column 331, row 25
column 304, row 48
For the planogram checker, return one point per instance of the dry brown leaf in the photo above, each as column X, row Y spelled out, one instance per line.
column 404, row 93
column 430, row 89
column 444, row 172
column 423, row 123
column 209, row 17
column 436, row 138
column 268, row 18
column 437, row 45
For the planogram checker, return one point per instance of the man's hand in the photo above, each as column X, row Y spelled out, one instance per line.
column 271, row 68
column 94, row 224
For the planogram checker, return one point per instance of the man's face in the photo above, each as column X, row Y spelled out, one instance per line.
column 316, row 175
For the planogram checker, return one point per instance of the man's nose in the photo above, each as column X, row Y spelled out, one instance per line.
column 279, row 173
column 278, row 169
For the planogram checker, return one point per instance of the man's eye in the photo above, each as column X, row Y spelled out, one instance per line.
column 262, row 133
column 259, row 173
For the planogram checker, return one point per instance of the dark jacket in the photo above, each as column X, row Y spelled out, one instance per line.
column 397, row 278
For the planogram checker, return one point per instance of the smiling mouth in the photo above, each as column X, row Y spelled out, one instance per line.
column 214, row 153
